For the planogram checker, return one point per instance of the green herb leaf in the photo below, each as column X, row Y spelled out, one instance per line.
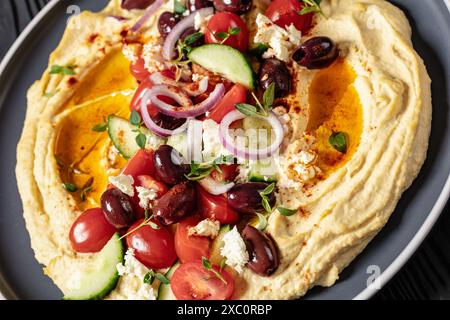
column 247, row 109
column 153, row 225
column 162, row 278
column 222, row 35
column 286, row 212
column 229, row 159
column 179, row 8
column 223, row 263
column 266, row 205
column 149, row 277
column 268, row 190
column 70, row 187
column 311, row 6
column 269, row 97
column 258, row 50
column 141, row 140
column 100, row 127
column 338, row 140
column 206, row 263
column 135, row 118
column 262, row 224
column 192, row 38
column 234, row 31
column 57, row 69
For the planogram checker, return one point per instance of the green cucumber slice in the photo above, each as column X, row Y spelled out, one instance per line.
column 123, row 136
column 226, row 61
column 164, row 291
column 99, row 276
column 263, row 171
column 179, row 143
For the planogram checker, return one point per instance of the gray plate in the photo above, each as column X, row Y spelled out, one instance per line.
column 21, row 277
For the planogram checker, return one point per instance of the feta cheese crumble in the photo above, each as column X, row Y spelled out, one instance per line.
column 281, row 41
column 132, row 267
column 201, row 22
column 212, row 148
column 234, row 250
column 145, row 195
column 124, row 183
column 206, row 228
column 152, row 55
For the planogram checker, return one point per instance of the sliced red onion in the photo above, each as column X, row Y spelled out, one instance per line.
column 186, row 111
column 149, row 12
column 157, row 78
column 151, row 125
column 188, row 22
column 214, row 187
column 250, row 153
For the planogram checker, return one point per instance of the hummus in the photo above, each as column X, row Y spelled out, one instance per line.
column 377, row 92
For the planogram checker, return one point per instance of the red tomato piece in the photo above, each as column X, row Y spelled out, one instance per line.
column 152, row 247
column 228, row 173
column 223, row 22
column 216, row 207
column 91, row 231
column 150, row 183
column 287, row 12
column 191, row 281
column 138, row 70
column 237, row 94
column 135, row 104
column 190, row 248
column 140, row 165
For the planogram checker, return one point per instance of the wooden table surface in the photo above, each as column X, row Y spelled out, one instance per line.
column 425, row 276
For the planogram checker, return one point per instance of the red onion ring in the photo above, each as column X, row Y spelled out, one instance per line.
column 170, row 43
column 187, row 110
column 149, row 12
column 157, row 78
column 214, row 187
column 250, row 153
column 151, row 125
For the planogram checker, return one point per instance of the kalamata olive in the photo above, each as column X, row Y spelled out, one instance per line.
column 176, row 204
column 167, row 122
column 246, row 198
column 236, row 6
column 263, row 254
column 194, row 5
column 136, row 4
column 118, row 208
column 169, row 165
column 275, row 71
column 200, row 41
column 316, row 53
column 166, row 22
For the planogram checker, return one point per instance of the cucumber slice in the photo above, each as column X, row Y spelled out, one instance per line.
column 263, row 171
column 226, row 61
column 179, row 143
column 215, row 257
column 123, row 136
column 164, row 291
column 99, row 277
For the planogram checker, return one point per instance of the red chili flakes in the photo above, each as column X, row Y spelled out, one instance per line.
column 124, row 33
column 72, row 81
column 92, row 37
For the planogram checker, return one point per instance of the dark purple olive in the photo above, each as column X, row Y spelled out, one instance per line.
column 316, row 53
column 275, row 71
column 168, row 122
column 235, row 6
column 194, row 5
column 118, row 208
column 170, row 165
column 246, row 198
column 136, row 4
column 263, row 254
column 176, row 204
column 166, row 22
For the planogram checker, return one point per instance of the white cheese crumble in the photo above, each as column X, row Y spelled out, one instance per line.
column 234, row 250
column 145, row 195
column 201, row 22
column 132, row 267
column 124, row 183
column 281, row 41
column 131, row 52
column 152, row 55
column 212, row 148
column 206, row 228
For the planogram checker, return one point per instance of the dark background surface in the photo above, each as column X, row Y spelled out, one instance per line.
column 426, row 275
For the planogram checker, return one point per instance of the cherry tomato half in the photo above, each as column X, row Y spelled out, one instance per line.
column 237, row 94
column 153, row 247
column 226, row 173
column 91, row 231
column 216, row 207
column 140, row 165
column 138, row 70
column 287, row 12
column 191, row 281
column 223, row 22
column 190, row 248
column 151, row 183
